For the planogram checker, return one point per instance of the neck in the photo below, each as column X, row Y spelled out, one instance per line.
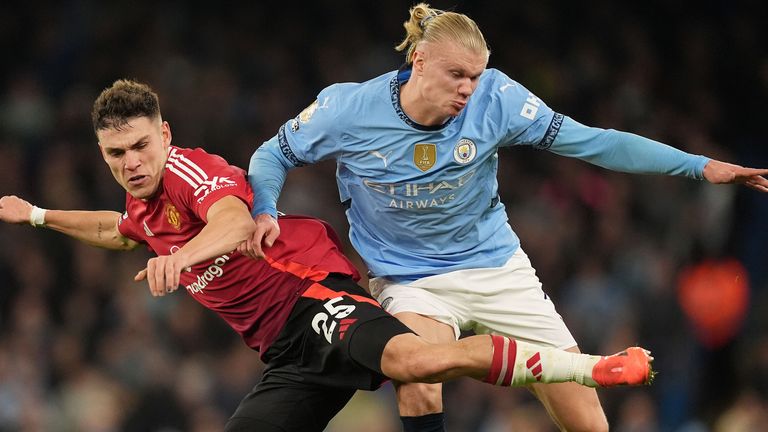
column 415, row 108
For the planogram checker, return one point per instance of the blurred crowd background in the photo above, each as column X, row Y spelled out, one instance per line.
column 672, row 264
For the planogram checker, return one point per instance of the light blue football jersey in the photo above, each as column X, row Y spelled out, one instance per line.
column 424, row 200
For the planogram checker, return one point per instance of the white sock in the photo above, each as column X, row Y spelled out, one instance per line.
column 537, row 364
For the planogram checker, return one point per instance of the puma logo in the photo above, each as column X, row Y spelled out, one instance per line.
column 381, row 156
column 505, row 86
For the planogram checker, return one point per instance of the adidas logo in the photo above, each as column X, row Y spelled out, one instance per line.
column 344, row 325
column 325, row 325
column 534, row 365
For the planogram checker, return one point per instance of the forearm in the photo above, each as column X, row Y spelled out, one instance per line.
column 626, row 152
column 96, row 228
column 229, row 224
column 266, row 174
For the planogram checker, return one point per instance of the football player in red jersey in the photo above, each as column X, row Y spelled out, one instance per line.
column 321, row 335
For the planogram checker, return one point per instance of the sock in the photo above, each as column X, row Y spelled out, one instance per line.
column 426, row 423
column 502, row 364
column 518, row 363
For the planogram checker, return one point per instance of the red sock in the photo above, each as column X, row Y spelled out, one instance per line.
column 503, row 363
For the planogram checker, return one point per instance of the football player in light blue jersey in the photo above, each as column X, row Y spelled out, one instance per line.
column 416, row 153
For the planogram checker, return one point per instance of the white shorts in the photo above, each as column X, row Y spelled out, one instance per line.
column 505, row 300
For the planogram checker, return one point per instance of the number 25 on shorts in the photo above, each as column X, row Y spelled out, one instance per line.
column 325, row 323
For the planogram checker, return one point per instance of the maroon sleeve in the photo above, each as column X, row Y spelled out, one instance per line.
column 198, row 179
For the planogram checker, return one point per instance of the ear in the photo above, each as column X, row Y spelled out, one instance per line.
column 418, row 62
column 166, row 132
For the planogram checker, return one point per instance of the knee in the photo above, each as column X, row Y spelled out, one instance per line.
column 414, row 361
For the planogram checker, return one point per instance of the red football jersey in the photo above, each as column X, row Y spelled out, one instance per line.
column 254, row 297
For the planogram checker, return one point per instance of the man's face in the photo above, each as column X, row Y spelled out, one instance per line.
column 447, row 74
column 136, row 154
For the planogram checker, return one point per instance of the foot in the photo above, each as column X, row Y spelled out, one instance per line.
column 629, row 367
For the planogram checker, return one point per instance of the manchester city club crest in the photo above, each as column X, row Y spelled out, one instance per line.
column 465, row 151
column 424, row 155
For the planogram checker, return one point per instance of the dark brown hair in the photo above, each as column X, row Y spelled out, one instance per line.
column 124, row 100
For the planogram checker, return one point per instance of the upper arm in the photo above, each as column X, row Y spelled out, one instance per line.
column 521, row 117
column 122, row 232
column 213, row 180
column 312, row 135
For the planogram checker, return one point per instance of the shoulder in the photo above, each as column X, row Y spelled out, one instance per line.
column 499, row 85
column 354, row 89
column 350, row 97
column 196, row 159
column 131, row 205
column 494, row 75
column 339, row 107
column 195, row 167
column 128, row 224
column 507, row 96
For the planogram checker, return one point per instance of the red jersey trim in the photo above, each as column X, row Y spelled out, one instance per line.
column 298, row 270
column 319, row 292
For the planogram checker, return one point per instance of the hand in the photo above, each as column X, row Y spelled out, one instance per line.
column 162, row 273
column 717, row 172
column 14, row 210
column 267, row 231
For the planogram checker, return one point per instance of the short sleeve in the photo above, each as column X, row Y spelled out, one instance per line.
column 128, row 228
column 523, row 118
column 312, row 135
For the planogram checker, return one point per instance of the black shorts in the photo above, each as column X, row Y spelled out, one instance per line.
column 319, row 360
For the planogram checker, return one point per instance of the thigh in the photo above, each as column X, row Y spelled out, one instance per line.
column 511, row 301
column 279, row 405
column 430, row 306
column 334, row 337
column 507, row 300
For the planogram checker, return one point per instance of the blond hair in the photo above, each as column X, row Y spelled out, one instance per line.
column 434, row 25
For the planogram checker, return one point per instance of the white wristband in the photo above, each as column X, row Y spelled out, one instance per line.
column 37, row 217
